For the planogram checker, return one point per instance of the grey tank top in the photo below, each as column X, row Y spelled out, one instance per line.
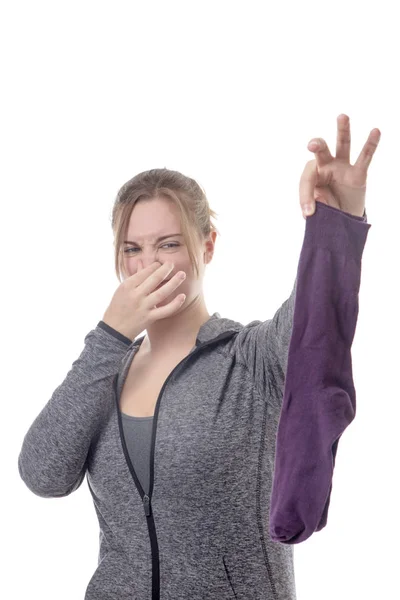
column 137, row 432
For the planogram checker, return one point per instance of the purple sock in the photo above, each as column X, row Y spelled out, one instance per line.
column 319, row 398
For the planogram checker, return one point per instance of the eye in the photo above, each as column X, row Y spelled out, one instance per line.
column 128, row 250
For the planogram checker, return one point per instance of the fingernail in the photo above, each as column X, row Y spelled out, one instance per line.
column 308, row 209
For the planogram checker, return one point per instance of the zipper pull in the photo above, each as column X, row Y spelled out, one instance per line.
column 146, row 503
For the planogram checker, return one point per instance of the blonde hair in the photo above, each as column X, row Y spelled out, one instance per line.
column 187, row 195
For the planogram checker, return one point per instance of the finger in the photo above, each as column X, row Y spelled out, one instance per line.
column 160, row 294
column 140, row 266
column 142, row 273
column 307, row 184
column 159, row 312
column 321, row 151
column 343, row 139
column 368, row 151
column 157, row 276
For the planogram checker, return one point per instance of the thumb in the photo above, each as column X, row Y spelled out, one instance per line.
column 307, row 185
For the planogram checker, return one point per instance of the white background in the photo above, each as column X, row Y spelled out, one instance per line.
column 229, row 93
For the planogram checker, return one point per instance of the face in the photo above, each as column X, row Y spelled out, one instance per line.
column 151, row 219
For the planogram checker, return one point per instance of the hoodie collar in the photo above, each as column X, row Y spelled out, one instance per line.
column 212, row 328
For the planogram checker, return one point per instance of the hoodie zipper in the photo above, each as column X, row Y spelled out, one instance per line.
column 146, row 499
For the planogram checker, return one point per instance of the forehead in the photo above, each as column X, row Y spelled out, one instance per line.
column 152, row 219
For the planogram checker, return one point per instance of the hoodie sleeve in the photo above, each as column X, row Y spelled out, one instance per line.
column 319, row 399
column 264, row 345
column 52, row 460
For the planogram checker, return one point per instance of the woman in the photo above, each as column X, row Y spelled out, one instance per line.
column 176, row 430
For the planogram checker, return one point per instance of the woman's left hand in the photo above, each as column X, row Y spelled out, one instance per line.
column 334, row 181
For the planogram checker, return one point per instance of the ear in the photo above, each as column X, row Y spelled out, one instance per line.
column 209, row 244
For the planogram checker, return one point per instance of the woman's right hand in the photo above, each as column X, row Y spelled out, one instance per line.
column 133, row 305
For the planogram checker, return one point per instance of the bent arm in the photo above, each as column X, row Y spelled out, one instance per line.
column 52, row 460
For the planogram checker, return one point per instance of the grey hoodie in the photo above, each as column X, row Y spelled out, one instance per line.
column 202, row 530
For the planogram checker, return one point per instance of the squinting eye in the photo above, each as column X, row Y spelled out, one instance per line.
column 128, row 250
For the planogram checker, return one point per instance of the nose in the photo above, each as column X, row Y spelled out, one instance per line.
column 148, row 259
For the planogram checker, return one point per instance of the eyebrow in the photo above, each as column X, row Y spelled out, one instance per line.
column 163, row 237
